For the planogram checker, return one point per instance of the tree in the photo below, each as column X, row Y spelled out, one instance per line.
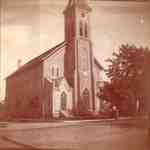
column 129, row 75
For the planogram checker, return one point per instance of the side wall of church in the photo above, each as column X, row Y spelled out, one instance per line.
column 23, row 93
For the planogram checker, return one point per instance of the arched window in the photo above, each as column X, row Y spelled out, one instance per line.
column 81, row 28
column 52, row 71
column 86, row 99
column 57, row 72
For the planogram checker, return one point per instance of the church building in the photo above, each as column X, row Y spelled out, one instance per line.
column 63, row 81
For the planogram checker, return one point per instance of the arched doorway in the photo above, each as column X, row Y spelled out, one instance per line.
column 86, row 99
column 63, row 101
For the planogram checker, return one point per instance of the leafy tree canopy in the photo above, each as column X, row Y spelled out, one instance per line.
column 129, row 75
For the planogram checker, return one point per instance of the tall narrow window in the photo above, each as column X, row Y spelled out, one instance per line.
column 81, row 29
column 57, row 72
column 86, row 30
column 52, row 71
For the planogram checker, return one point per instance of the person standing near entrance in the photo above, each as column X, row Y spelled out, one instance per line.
column 115, row 112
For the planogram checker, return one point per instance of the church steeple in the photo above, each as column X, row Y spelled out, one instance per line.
column 78, row 68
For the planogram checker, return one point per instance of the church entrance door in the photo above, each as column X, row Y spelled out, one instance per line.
column 86, row 100
column 63, row 101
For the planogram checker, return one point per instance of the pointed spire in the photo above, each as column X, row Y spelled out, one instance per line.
column 79, row 3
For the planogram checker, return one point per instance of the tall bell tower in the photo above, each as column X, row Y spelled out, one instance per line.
column 79, row 55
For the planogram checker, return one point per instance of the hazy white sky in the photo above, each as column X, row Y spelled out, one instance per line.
column 30, row 27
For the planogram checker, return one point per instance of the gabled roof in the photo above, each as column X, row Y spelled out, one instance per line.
column 38, row 59
column 42, row 57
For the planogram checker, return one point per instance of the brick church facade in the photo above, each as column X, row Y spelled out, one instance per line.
column 63, row 81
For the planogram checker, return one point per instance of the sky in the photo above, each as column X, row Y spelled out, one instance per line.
column 30, row 27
